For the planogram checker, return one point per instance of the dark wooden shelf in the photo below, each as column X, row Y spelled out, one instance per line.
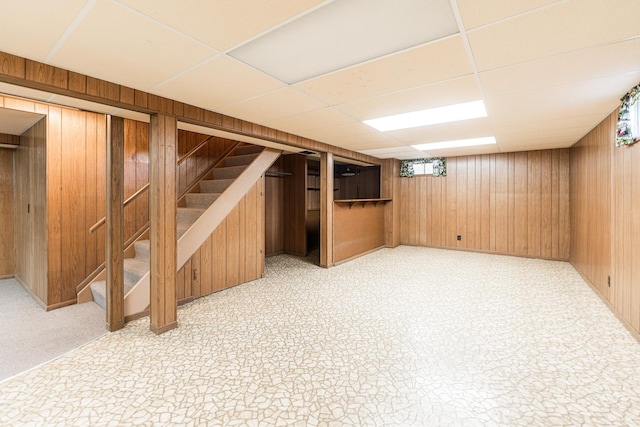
column 363, row 202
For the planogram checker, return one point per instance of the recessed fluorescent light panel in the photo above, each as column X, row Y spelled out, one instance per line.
column 432, row 116
column 344, row 33
column 456, row 144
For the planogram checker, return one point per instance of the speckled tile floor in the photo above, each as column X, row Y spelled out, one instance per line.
column 405, row 336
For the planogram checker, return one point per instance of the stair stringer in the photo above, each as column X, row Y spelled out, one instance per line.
column 138, row 299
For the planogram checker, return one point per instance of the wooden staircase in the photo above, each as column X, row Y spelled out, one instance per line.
column 198, row 214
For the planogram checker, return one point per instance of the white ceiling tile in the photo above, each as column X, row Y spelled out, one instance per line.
column 521, row 128
column 572, row 67
column 563, row 27
column 115, row 44
column 475, row 13
column 449, row 92
column 462, row 151
column 395, row 153
column 433, row 62
column 466, row 129
column 222, row 24
column 353, row 31
column 31, row 28
column 301, row 123
column 509, row 136
column 593, row 97
column 217, row 83
column 344, row 130
column 546, row 143
column 396, row 149
column 358, row 142
column 273, row 105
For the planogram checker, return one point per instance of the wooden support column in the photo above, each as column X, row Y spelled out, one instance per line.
column 115, row 223
column 163, row 208
column 326, row 210
column 390, row 171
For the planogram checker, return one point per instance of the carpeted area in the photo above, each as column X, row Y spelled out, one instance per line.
column 400, row 337
column 30, row 336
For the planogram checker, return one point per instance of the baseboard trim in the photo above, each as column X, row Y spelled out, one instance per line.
column 186, row 300
column 162, row 329
column 610, row 306
column 8, row 276
column 115, row 326
column 61, row 304
column 342, row 261
column 479, row 251
column 137, row 316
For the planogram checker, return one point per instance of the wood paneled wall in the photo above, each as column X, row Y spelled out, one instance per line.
column 233, row 254
column 357, row 229
column 75, row 192
column 390, row 186
column 605, row 205
column 285, row 204
column 295, row 192
column 75, row 199
column 9, row 139
column 30, row 211
column 192, row 167
column 625, row 233
column 274, row 209
column 7, row 263
column 513, row 203
column 591, row 205
column 136, row 175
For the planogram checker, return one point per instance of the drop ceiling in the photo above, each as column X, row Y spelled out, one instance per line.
column 547, row 71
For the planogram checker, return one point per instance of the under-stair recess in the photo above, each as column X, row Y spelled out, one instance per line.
column 199, row 213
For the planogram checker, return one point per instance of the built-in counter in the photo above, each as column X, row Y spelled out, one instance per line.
column 358, row 227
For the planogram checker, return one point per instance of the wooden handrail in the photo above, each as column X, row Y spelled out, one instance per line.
column 193, row 150
column 130, row 199
column 101, row 222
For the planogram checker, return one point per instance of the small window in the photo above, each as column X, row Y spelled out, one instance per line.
column 423, row 169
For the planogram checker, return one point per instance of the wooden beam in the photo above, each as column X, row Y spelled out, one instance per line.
column 390, row 173
column 326, row 210
column 115, row 223
column 163, row 143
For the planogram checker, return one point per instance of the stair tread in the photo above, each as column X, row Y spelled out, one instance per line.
column 201, row 200
column 136, row 264
column 99, row 292
column 228, row 172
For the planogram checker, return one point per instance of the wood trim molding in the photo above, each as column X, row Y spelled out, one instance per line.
column 36, row 75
